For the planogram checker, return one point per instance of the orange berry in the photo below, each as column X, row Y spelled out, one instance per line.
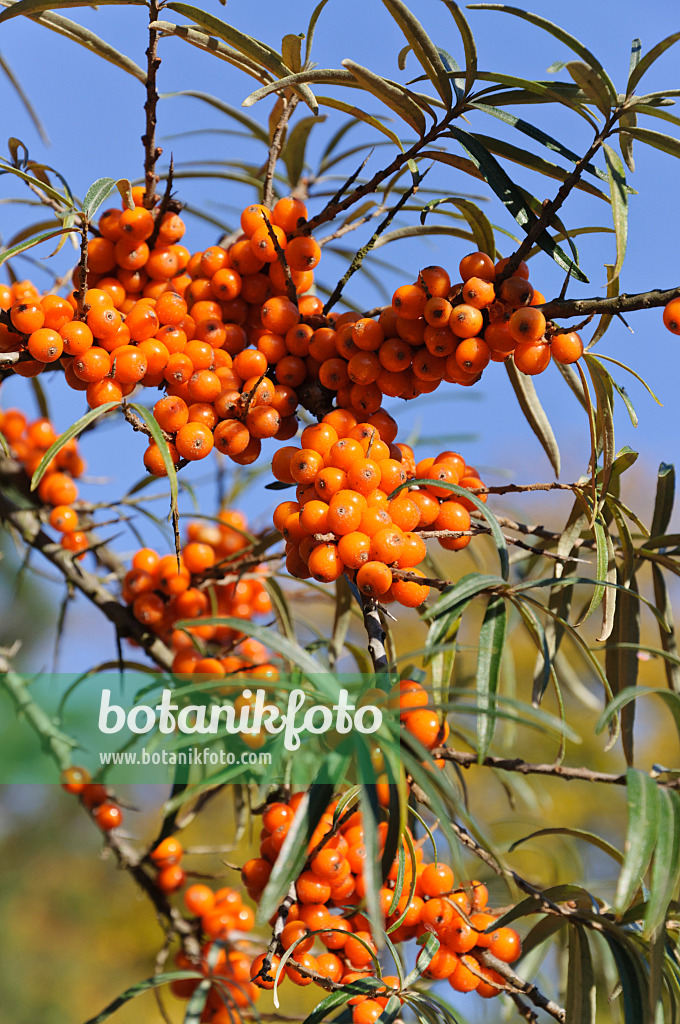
column 527, row 324
column 671, row 317
column 566, row 348
column 532, row 357
column 194, row 441
column 325, row 563
column 374, row 578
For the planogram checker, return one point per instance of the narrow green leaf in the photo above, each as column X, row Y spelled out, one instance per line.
column 199, row 996
column 628, row 119
column 604, row 414
column 253, row 48
column 396, row 97
column 641, row 835
column 629, row 369
column 524, row 158
column 25, row 100
column 360, row 115
column 100, row 190
column 668, row 640
column 31, row 7
column 559, row 33
column 459, row 162
column 635, row 54
column 422, row 46
column 663, row 502
column 418, row 230
column 29, row 243
column 539, row 135
column 621, row 659
column 344, row 601
column 202, row 40
column 631, row 977
column 665, row 873
column 469, row 46
column 293, row 154
column 640, row 68
column 327, row 76
column 591, row 84
column 619, row 201
column 581, row 1002
column 63, row 439
column 311, row 28
column 368, row 801
column 430, row 947
column 666, row 143
column 138, row 989
column 534, row 412
column 575, row 833
column 248, row 122
column 512, row 198
column 489, row 658
column 158, row 437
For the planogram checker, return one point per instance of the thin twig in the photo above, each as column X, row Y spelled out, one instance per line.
column 26, row 521
column 288, row 106
column 151, row 151
column 560, row 771
column 526, row 988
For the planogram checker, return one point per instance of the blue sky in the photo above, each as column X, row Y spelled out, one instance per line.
column 93, row 115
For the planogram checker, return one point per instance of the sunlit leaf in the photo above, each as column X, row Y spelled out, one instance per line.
column 296, row 144
column 396, row 97
column 666, row 143
column 422, row 46
column 640, row 68
column 591, row 84
column 469, row 46
column 619, row 200
column 641, row 835
column 253, row 48
column 559, row 33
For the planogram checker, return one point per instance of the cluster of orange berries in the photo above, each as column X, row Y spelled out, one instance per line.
column 333, row 883
column 162, row 317
column 28, row 443
column 162, row 592
column 343, row 519
column 437, row 331
column 221, row 913
column 94, row 797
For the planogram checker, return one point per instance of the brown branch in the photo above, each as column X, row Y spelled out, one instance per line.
column 83, row 307
column 526, row 988
column 165, row 203
column 565, row 308
column 26, row 521
column 331, row 211
column 288, row 106
column 517, row 764
column 151, row 151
